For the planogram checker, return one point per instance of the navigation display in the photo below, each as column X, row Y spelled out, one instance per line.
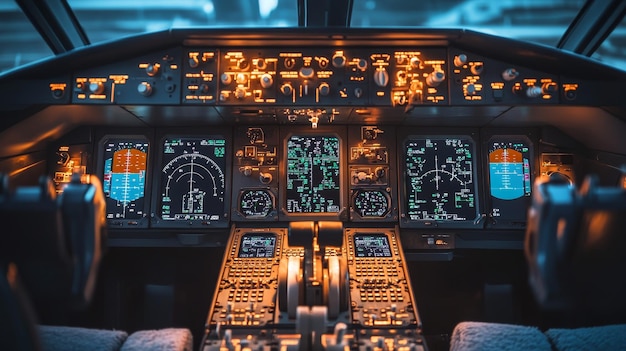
column 192, row 179
column 440, row 179
column 509, row 177
column 313, row 174
column 124, row 178
column 257, row 246
column 371, row 245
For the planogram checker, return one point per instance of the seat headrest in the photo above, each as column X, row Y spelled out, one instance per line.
column 575, row 246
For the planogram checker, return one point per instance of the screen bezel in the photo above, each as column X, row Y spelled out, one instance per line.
column 335, row 131
column 145, row 220
column 405, row 221
column 488, row 137
column 156, row 220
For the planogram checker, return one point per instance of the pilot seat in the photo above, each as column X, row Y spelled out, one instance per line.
column 50, row 251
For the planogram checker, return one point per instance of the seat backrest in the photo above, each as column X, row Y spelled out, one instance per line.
column 576, row 247
column 55, row 241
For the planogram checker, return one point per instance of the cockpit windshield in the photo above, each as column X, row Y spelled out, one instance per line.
column 538, row 21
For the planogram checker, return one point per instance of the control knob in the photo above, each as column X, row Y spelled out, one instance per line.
column 96, row 87
column 265, row 178
column 324, row 89
column 358, row 92
column 194, row 62
column 290, row 62
column 82, row 86
column 243, row 64
column 549, row 88
column 323, row 62
column 470, row 89
column 534, row 91
column 203, row 88
column 460, row 60
column 266, row 80
column 477, row 68
column 153, row 69
column 286, row 89
column 339, row 60
column 226, row 79
column 510, row 74
column 261, row 64
column 306, row 72
column 415, row 62
column 379, row 172
column 240, row 92
column 241, row 78
column 362, row 64
column 381, row 77
column 144, row 88
column 435, row 77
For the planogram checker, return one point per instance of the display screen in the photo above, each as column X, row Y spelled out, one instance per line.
column 371, row 245
column 256, row 203
column 371, row 203
column 192, row 179
column 257, row 246
column 313, row 174
column 124, row 177
column 509, row 176
column 440, row 179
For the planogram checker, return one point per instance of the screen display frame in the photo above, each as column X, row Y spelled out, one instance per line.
column 157, row 220
column 372, row 235
column 468, row 223
column 144, row 221
column 340, row 134
column 508, row 221
column 255, row 234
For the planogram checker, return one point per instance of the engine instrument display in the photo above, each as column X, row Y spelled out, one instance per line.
column 256, row 203
column 509, row 176
column 192, row 179
column 313, row 174
column 124, row 178
column 257, row 246
column 371, row 203
column 371, row 245
column 439, row 179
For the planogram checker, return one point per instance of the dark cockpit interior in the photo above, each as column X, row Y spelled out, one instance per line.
column 320, row 182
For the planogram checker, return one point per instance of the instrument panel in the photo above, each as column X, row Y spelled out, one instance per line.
column 416, row 178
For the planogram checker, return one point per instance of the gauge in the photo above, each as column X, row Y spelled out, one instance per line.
column 124, row 177
column 509, row 169
column 510, row 183
column 192, row 179
column 371, row 203
column 256, row 203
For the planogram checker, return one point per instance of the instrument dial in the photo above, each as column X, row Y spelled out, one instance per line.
column 371, row 203
column 256, row 203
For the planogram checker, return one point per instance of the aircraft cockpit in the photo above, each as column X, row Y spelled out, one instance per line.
column 294, row 175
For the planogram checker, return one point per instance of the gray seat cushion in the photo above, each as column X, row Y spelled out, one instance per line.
column 479, row 336
column 171, row 339
column 58, row 338
column 610, row 337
